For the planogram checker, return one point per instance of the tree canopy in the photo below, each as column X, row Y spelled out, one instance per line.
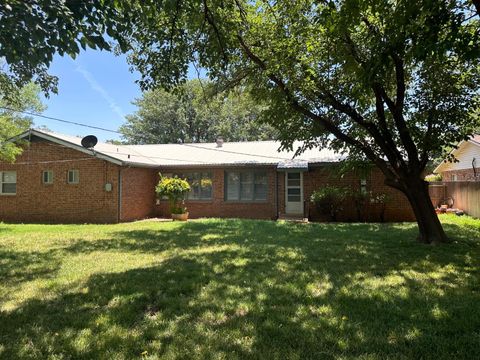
column 12, row 122
column 193, row 113
column 389, row 81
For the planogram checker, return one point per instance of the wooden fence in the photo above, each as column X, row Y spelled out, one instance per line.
column 465, row 195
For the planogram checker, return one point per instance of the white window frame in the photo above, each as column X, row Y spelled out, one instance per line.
column 50, row 177
column 294, row 207
column 2, row 182
column 76, row 178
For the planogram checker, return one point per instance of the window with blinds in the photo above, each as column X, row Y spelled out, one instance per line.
column 247, row 185
column 8, row 182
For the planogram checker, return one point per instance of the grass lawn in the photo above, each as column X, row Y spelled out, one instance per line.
column 227, row 289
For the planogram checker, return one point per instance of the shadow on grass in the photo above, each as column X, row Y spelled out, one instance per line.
column 249, row 289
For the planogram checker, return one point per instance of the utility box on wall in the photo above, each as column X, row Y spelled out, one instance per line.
column 108, row 187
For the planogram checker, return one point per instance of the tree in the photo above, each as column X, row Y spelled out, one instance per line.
column 388, row 81
column 13, row 122
column 193, row 113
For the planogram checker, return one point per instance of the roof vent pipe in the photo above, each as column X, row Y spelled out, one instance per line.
column 219, row 142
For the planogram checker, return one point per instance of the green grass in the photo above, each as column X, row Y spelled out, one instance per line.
column 227, row 289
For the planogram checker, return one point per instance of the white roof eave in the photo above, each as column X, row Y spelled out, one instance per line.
column 443, row 163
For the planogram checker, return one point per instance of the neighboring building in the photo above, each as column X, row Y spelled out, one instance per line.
column 57, row 180
column 467, row 166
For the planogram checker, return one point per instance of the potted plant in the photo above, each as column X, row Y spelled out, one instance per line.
column 175, row 190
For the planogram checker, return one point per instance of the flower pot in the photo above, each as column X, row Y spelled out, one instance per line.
column 180, row 217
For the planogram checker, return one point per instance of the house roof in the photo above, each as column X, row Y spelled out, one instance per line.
column 197, row 154
column 474, row 139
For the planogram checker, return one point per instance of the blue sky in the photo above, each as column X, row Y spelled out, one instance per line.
column 96, row 88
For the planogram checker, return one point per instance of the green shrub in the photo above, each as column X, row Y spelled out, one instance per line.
column 329, row 200
column 433, row 177
column 175, row 190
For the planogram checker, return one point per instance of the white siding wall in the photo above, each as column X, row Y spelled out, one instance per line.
column 464, row 154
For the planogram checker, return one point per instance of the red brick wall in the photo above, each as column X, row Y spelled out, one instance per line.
column 89, row 202
column 462, row 175
column 60, row 202
column 397, row 208
column 218, row 207
column 138, row 193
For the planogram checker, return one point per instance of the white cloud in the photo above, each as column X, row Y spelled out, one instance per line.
column 99, row 89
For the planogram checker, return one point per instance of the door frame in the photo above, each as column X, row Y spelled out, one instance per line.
column 302, row 206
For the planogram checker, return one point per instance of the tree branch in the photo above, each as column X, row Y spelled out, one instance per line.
column 172, row 32
column 396, row 107
column 381, row 96
column 382, row 120
column 326, row 123
column 211, row 21
column 426, row 141
column 397, row 110
column 400, row 80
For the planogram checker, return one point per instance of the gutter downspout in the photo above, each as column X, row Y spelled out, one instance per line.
column 119, row 211
column 276, row 194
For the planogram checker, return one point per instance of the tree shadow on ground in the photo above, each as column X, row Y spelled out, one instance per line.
column 261, row 290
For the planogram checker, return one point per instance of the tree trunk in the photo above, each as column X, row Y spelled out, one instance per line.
column 429, row 226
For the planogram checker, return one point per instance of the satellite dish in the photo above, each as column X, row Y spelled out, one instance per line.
column 89, row 141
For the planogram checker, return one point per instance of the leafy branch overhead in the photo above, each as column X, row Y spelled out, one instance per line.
column 383, row 79
column 55, row 27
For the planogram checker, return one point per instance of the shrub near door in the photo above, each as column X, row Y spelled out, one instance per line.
column 175, row 190
column 329, row 200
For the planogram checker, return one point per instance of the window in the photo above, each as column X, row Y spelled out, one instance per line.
column 47, row 177
column 454, row 177
column 8, row 182
column 73, row 177
column 363, row 186
column 246, row 185
column 200, row 185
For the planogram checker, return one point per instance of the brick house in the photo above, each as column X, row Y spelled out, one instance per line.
column 467, row 166
column 56, row 179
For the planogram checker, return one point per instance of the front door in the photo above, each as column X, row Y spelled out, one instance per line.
column 294, row 192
